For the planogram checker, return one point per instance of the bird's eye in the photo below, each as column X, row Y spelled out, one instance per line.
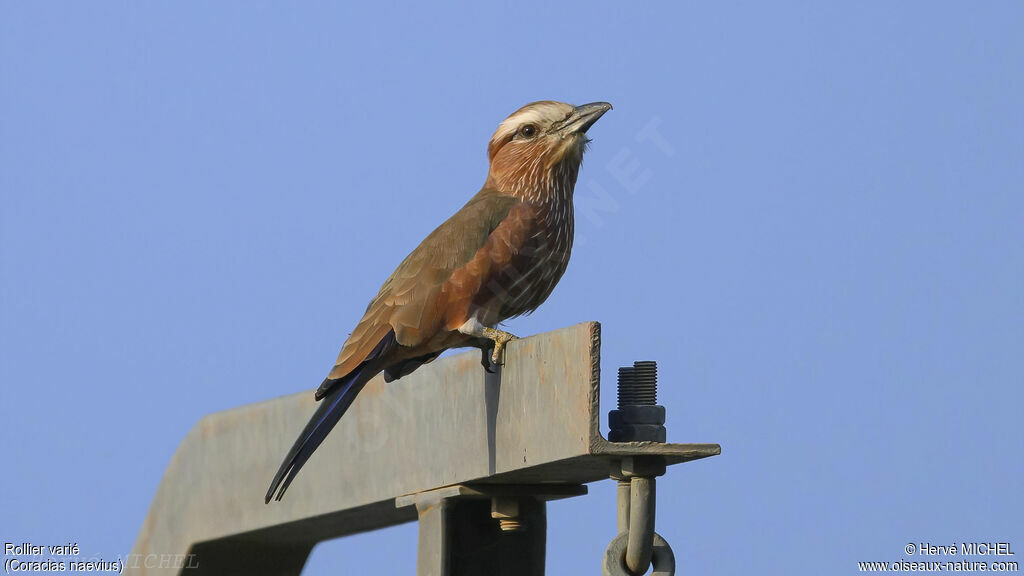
column 528, row 131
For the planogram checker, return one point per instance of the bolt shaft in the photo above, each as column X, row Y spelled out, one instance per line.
column 638, row 384
column 510, row 524
column 627, row 378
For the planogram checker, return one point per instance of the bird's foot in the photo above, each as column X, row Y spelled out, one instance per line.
column 500, row 338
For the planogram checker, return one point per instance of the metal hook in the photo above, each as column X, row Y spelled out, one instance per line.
column 663, row 560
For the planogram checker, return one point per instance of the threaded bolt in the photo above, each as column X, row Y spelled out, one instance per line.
column 639, row 417
column 646, row 382
column 506, row 511
column 638, row 384
column 627, row 379
column 510, row 524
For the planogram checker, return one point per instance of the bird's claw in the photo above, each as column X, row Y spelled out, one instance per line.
column 500, row 339
column 485, row 360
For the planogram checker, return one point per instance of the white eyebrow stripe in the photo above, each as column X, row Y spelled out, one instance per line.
column 537, row 113
column 525, row 117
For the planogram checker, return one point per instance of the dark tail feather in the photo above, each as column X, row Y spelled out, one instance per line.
column 332, row 407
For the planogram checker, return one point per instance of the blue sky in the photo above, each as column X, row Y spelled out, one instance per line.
column 824, row 249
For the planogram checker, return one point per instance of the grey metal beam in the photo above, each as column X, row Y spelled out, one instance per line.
column 537, row 421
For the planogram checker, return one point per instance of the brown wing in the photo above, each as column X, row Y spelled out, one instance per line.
column 485, row 286
column 412, row 301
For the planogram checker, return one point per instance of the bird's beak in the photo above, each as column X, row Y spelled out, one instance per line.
column 583, row 117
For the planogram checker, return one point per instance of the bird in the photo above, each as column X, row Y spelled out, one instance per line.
column 497, row 258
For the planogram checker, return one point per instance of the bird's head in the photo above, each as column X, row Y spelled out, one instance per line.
column 538, row 149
